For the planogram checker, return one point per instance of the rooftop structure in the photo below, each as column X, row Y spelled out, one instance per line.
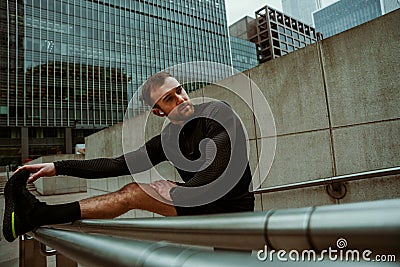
column 278, row 34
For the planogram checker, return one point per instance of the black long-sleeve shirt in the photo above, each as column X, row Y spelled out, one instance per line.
column 209, row 152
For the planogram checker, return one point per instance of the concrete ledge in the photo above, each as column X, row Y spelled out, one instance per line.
column 59, row 185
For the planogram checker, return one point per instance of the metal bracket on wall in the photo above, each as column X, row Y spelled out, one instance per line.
column 47, row 252
column 336, row 190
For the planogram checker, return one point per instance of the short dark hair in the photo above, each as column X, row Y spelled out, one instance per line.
column 157, row 80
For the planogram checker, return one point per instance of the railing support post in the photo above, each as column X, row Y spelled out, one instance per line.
column 62, row 261
column 29, row 253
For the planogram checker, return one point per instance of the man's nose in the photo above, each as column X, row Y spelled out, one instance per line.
column 179, row 99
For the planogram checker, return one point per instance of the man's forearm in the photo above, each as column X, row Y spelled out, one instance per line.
column 92, row 169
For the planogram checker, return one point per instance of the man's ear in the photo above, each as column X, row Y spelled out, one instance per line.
column 158, row 112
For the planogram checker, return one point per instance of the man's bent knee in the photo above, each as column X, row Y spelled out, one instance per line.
column 130, row 188
column 136, row 190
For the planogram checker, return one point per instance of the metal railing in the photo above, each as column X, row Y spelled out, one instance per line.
column 331, row 180
column 375, row 224
column 371, row 225
column 95, row 250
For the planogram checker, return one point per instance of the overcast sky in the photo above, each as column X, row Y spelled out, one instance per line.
column 237, row 9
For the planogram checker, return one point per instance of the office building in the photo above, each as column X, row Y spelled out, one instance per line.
column 389, row 5
column 69, row 67
column 244, row 54
column 243, row 28
column 277, row 34
column 346, row 14
column 301, row 9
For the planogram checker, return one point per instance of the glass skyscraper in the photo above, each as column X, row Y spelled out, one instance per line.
column 244, row 54
column 301, row 9
column 390, row 5
column 69, row 67
column 346, row 14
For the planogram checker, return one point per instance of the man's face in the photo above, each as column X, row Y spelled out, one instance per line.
column 172, row 101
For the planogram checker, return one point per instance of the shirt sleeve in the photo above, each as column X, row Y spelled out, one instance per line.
column 136, row 161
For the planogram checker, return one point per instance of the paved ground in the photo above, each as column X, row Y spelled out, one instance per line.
column 9, row 251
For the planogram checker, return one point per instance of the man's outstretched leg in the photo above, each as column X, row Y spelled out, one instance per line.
column 23, row 212
column 131, row 196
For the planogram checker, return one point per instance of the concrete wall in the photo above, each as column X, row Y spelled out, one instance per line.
column 59, row 185
column 336, row 108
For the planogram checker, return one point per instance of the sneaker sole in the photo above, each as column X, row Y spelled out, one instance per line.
column 10, row 218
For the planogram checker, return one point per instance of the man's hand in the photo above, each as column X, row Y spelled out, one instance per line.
column 39, row 170
column 163, row 187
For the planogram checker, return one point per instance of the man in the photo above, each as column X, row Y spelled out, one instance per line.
column 205, row 143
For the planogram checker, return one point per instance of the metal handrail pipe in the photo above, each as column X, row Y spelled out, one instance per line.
column 232, row 231
column 330, row 180
column 375, row 225
column 95, row 250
